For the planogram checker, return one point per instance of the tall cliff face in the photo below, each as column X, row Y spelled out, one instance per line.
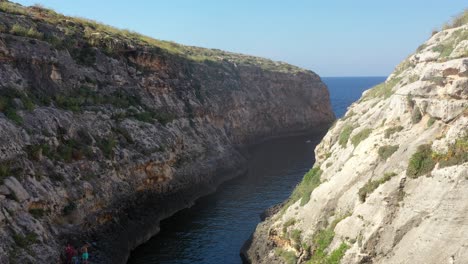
column 105, row 132
column 390, row 184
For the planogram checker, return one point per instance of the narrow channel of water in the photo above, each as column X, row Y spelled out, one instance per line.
column 215, row 228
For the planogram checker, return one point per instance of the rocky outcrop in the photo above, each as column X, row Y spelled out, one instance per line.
column 106, row 132
column 391, row 177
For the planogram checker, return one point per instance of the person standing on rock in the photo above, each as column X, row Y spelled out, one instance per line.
column 76, row 257
column 85, row 254
column 69, row 250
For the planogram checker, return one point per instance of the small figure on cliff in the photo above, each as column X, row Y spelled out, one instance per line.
column 85, row 254
column 76, row 257
column 69, row 252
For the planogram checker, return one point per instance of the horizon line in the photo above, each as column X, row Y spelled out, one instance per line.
column 356, row 76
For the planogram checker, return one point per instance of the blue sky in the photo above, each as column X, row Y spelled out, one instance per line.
column 332, row 38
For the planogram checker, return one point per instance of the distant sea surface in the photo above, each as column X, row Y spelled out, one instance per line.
column 346, row 90
column 214, row 229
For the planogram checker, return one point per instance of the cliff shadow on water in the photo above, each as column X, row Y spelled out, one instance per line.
column 214, row 229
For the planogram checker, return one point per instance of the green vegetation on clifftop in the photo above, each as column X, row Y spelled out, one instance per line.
column 114, row 41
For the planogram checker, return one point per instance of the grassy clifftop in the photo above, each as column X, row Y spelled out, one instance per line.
column 114, row 40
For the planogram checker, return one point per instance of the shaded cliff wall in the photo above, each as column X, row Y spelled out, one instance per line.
column 103, row 135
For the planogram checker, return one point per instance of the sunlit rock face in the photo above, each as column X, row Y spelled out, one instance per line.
column 391, row 178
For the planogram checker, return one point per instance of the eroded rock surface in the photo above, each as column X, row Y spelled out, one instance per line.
column 390, row 184
column 106, row 132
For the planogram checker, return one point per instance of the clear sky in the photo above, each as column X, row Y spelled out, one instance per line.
column 330, row 37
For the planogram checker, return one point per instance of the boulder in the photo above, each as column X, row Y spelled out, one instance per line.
column 17, row 189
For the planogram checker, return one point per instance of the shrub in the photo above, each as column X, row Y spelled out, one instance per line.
column 439, row 80
column 13, row 116
column 344, row 135
column 76, row 99
column 69, row 208
column 386, row 151
column 409, row 100
column 296, row 236
column 370, row 186
column 124, row 133
column 84, row 55
column 288, row 256
column 37, row 212
column 363, row 134
column 392, row 130
column 12, row 8
column 164, row 117
column 67, row 151
column 8, row 106
column 322, row 240
column 413, row 78
column 309, row 183
column 25, row 241
column 68, row 102
column 457, row 153
column 19, row 30
column 107, row 147
column 431, row 121
column 33, row 33
column 444, row 49
column 71, row 150
column 416, row 115
column 348, row 115
column 421, row 162
column 56, row 177
column 458, row 20
column 422, row 47
column 337, row 254
column 147, row 117
column 288, row 223
column 384, row 89
column 5, row 171
column 34, row 152
column 304, row 189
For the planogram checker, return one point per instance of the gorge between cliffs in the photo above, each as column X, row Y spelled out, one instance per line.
column 105, row 133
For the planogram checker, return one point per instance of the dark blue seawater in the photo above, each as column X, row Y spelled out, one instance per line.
column 346, row 90
column 215, row 228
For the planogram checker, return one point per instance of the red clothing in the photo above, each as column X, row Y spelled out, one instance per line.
column 69, row 252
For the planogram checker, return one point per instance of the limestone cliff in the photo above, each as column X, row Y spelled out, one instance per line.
column 390, row 184
column 104, row 132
